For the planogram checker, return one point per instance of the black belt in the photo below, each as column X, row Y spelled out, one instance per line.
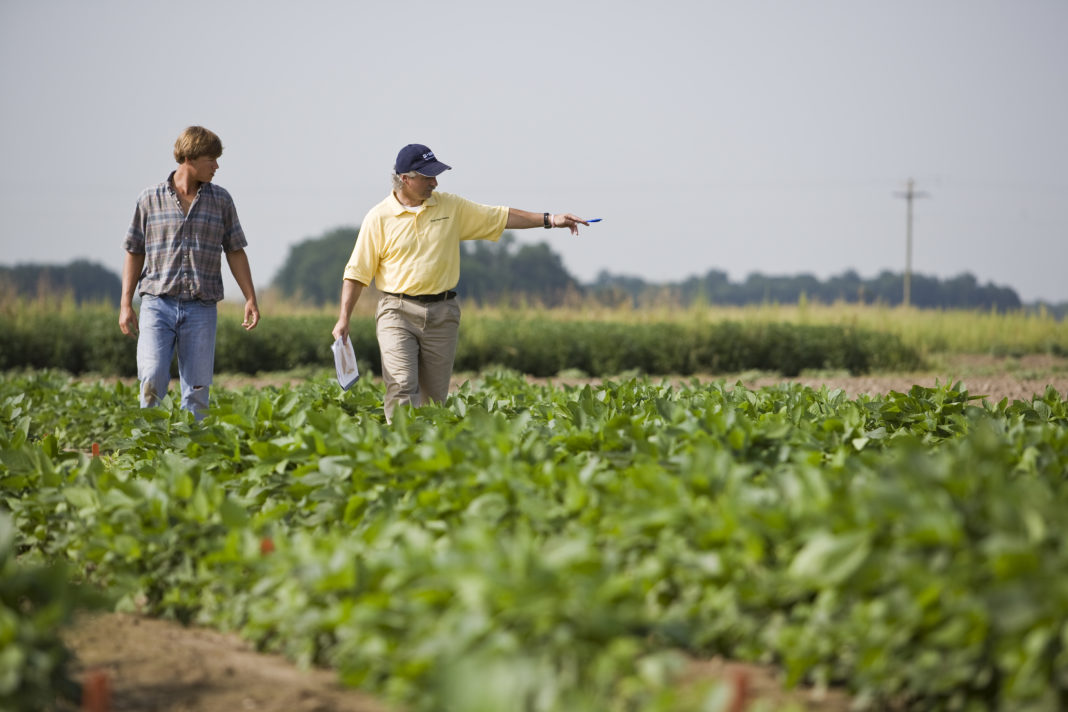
column 424, row 298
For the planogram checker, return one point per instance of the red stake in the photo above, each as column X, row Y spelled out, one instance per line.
column 96, row 692
column 739, row 683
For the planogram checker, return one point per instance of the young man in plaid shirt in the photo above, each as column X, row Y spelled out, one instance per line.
column 180, row 229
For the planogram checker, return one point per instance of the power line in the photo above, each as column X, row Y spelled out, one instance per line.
column 909, row 195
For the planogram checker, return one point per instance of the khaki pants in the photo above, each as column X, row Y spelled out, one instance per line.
column 418, row 345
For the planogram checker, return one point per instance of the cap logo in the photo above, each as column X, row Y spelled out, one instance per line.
column 428, row 155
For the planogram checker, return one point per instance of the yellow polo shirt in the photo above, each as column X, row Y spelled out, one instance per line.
column 419, row 253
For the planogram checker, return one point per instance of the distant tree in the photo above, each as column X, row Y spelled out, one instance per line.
column 490, row 272
column 713, row 287
column 83, row 280
column 1045, row 308
column 846, row 287
column 965, row 290
column 485, row 268
column 924, row 291
column 617, row 290
column 1004, row 298
column 313, row 271
column 537, row 270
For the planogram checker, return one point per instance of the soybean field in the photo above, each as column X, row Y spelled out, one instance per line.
column 531, row 546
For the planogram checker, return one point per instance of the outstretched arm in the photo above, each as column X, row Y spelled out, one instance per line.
column 521, row 219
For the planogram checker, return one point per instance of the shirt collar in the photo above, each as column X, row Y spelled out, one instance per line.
column 400, row 209
column 170, row 184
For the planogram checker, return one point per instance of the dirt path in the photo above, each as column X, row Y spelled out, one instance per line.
column 157, row 666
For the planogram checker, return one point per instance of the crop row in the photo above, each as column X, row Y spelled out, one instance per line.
column 569, row 549
column 89, row 341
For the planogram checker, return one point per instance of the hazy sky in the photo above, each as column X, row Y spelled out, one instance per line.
column 746, row 136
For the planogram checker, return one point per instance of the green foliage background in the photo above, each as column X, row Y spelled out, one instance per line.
column 492, row 272
column 505, row 272
column 501, row 273
column 36, row 599
column 82, row 280
column 963, row 291
column 313, row 270
column 89, row 341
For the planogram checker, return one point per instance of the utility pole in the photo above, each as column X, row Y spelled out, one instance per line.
column 909, row 195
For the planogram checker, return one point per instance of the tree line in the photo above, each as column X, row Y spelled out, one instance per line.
column 489, row 272
column 81, row 279
column 507, row 272
column 961, row 292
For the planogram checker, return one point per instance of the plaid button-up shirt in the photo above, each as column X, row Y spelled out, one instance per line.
column 183, row 253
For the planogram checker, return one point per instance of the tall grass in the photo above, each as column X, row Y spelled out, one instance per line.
column 929, row 331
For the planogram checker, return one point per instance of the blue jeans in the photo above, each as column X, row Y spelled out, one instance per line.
column 166, row 323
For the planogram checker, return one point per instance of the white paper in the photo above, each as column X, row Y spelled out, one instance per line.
column 345, row 363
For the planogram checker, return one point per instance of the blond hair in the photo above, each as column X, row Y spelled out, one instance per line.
column 196, row 141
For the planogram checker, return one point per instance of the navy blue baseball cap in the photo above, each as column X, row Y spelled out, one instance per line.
column 417, row 157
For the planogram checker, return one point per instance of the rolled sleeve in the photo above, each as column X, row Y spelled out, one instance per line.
column 363, row 262
column 233, row 235
column 135, row 234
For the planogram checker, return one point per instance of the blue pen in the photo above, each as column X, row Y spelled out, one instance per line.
column 594, row 220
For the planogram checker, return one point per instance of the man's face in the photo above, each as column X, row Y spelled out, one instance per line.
column 419, row 187
column 203, row 168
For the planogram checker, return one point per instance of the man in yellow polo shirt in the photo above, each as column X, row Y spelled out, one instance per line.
column 409, row 244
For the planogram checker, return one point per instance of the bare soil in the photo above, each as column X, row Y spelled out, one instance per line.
column 994, row 378
column 151, row 665
column 991, row 377
column 158, row 666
